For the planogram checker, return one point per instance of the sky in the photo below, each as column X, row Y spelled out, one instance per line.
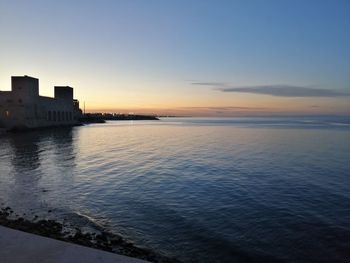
column 188, row 58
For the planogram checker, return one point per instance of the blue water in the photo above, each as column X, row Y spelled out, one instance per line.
column 199, row 189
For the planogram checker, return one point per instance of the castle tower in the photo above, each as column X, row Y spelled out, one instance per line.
column 25, row 89
column 64, row 93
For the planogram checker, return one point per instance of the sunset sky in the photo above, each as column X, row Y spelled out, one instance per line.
column 200, row 58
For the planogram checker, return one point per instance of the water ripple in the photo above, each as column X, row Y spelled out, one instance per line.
column 206, row 190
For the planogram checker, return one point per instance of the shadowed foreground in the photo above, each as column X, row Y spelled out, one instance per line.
column 36, row 244
column 17, row 246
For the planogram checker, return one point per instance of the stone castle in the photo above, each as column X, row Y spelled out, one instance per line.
column 24, row 108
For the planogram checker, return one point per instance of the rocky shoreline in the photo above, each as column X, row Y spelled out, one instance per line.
column 103, row 240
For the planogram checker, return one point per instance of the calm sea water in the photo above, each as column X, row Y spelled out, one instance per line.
column 203, row 190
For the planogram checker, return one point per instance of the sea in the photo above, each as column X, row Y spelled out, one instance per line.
column 197, row 189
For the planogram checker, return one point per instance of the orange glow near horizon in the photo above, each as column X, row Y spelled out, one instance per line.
column 184, row 99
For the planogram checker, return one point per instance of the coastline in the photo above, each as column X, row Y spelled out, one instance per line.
column 103, row 240
column 88, row 118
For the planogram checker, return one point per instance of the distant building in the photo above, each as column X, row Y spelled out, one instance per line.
column 23, row 107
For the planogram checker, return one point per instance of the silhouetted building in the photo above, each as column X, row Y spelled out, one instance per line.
column 22, row 107
column 77, row 111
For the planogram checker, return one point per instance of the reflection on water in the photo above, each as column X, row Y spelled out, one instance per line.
column 25, row 153
column 215, row 190
column 32, row 155
column 28, row 149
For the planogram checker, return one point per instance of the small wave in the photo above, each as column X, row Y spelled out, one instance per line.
column 87, row 222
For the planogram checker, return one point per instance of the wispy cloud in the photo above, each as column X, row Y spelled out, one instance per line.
column 286, row 91
column 216, row 84
column 276, row 90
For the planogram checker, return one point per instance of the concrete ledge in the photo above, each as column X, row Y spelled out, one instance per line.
column 20, row 247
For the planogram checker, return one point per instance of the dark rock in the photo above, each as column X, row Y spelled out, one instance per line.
column 105, row 240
